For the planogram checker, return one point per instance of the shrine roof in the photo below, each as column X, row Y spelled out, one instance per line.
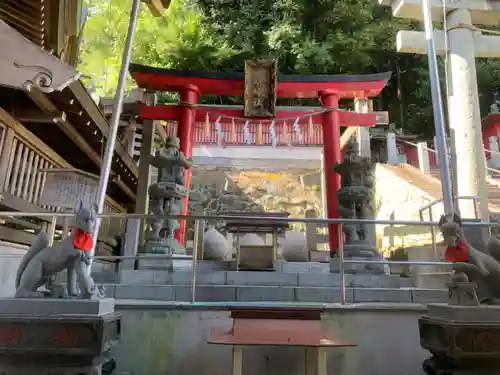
column 232, row 83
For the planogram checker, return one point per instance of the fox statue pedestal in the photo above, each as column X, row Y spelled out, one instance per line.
column 56, row 336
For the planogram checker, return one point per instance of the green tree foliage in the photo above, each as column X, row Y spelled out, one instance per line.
column 176, row 40
column 306, row 36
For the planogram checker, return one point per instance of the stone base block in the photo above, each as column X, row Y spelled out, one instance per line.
column 232, row 293
column 51, row 307
column 432, row 280
column 357, row 268
column 155, row 262
column 248, row 278
column 44, row 336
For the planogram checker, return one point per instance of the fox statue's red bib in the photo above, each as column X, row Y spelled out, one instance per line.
column 457, row 253
column 82, row 240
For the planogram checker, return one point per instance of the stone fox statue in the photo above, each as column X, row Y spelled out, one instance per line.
column 41, row 262
column 482, row 267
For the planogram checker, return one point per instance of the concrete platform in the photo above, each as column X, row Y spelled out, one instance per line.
column 49, row 306
column 232, row 293
column 255, row 278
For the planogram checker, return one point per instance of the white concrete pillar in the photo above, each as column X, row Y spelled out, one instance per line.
column 464, row 115
column 392, row 150
column 361, row 105
column 423, row 158
column 494, row 154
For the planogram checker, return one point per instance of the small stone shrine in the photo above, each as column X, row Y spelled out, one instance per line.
column 167, row 195
column 355, row 200
column 463, row 336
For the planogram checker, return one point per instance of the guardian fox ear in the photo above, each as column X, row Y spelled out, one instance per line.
column 79, row 206
column 442, row 220
column 94, row 209
column 457, row 219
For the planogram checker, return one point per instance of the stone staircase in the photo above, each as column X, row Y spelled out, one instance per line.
column 493, row 192
column 293, row 282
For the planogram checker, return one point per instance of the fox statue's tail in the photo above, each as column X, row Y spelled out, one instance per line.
column 41, row 242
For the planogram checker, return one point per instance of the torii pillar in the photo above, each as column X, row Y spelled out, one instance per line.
column 464, row 44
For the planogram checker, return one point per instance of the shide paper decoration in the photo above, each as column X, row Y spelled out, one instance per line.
column 220, row 133
column 233, row 131
column 285, row 137
column 298, row 131
column 246, row 133
column 272, row 134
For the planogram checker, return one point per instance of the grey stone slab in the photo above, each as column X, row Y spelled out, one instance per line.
column 206, row 293
column 105, row 277
column 382, row 295
column 406, row 282
column 48, row 306
column 429, row 295
column 320, row 280
column 137, row 277
column 305, row 267
column 152, row 292
column 261, row 278
column 322, row 295
column 109, row 290
column 265, row 293
column 385, row 281
column 351, row 281
column 202, row 278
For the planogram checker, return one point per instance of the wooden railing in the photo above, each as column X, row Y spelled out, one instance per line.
column 22, row 157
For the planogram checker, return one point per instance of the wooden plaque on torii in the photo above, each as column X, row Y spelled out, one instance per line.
column 260, row 88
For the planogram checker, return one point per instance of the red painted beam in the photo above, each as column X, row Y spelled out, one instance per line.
column 170, row 112
column 284, row 89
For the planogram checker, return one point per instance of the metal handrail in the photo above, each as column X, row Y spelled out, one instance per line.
column 492, row 152
column 432, row 204
column 194, row 259
column 241, row 218
column 434, row 151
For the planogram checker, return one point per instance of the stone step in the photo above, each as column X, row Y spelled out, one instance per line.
column 226, row 293
column 432, row 280
column 254, row 278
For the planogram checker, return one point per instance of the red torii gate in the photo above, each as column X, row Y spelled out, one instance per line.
column 329, row 89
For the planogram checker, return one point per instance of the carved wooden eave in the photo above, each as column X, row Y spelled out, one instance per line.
column 61, row 121
column 22, row 62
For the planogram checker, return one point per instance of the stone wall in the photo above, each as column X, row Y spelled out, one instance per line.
column 167, row 340
column 10, row 257
column 399, row 197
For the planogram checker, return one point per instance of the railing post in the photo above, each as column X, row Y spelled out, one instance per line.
column 195, row 258
column 434, row 143
column 341, row 266
column 392, row 150
column 494, row 160
column 311, row 232
column 423, row 158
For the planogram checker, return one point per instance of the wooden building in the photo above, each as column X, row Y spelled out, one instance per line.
column 47, row 117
